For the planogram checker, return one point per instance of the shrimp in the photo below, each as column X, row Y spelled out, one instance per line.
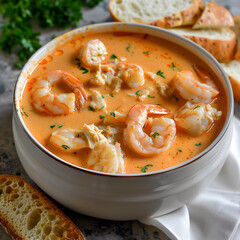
column 45, row 101
column 93, row 53
column 106, row 157
column 161, row 130
column 191, row 89
column 69, row 139
column 196, row 118
column 131, row 74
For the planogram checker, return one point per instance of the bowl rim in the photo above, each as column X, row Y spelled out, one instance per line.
column 210, row 58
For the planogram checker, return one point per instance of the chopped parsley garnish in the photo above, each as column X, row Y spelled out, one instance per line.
column 198, row 144
column 102, row 96
column 196, row 107
column 175, row 97
column 112, row 114
column 91, row 109
column 160, row 73
column 113, row 56
column 85, row 70
column 102, row 117
column 56, row 125
column 65, row 147
column 101, row 108
column 111, row 95
column 155, row 134
column 118, row 68
column 146, row 52
column 180, row 150
column 137, row 92
column 173, row 67
column 23, row 112
column 128, row 46
column 151, row 96
column 145, row 168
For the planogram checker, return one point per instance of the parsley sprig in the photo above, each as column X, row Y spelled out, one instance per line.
column 17, row 32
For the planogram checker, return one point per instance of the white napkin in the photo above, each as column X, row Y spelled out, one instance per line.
column 215, row 213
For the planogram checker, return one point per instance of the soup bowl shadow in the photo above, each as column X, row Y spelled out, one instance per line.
column 116, row 196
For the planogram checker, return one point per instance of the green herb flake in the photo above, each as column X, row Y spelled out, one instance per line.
column 56, row 125
column 65, row 147
column 196, row 107
column 138, row 92
column 145, row 168
column 113, row 56
column 128, row 46
column 118, row 68
column 198, row 144
column 101, row 108
column 160, row 73
column 155, row 134
column 23, row 112
column 91, row 109
column 85, row 70
column 179, row 150
column 146, row 52
column 102, row 117
column 112, row 114
column 102, row 96
column 151, row 96
column 111, row 95
column 173, row 67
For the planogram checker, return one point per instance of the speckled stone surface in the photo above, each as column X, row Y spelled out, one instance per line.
column 92, row 228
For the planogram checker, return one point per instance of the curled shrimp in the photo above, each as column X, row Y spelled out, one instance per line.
column 52, row 104
column 106, row 157
column 196, row 118
column 131, row 74
column 69, row 139
column 161, row 130
column 191, row 89
column 93, row 53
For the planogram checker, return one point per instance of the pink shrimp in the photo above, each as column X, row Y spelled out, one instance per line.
column 52, row 104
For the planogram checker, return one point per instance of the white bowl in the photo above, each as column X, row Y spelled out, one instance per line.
column 115, row 196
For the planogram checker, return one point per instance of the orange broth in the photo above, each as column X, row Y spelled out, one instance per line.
column 152, row 54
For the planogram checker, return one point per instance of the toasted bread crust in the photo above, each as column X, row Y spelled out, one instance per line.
column 222, row 50
column 236, row 88
column 214, row 16
column 182, row 18
column 46, row 207
column 236, row 29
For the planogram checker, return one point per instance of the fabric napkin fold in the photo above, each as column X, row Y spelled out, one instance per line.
column 215, row 213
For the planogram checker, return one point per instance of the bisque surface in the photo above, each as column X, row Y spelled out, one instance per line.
column 152, row 54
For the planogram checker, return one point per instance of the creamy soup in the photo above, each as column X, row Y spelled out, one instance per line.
column 123, row 103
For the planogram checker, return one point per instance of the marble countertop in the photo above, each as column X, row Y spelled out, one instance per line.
column 92, row 228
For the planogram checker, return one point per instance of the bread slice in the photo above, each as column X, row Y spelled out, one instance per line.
column 214, row 16
column 27, row 214
column 236, row 29
column 219, row 42
column 233, row 71
column 160, row 13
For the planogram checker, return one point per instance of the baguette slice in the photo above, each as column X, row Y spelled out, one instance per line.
column 236, row 29
column 27, row 214
column 233, row 71
column 160, row 13
column 214, row 16
column 219, row 42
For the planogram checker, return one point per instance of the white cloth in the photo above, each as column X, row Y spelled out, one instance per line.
column 215, row 213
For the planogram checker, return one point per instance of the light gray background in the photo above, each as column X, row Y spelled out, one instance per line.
column 92, row 228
